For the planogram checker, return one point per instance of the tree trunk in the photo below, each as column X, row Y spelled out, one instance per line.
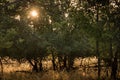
column 97, row 43
column 114, row 67
column 70, row 63
column 98, row 54
column 34, row 66
column 60, row 66
column 53, row 62
column 65, row 62
column 1, row 74
column 40, row 65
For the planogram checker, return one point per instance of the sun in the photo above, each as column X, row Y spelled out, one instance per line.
column 34, row 13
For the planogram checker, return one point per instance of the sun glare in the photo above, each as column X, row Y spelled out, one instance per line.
column 34, row 13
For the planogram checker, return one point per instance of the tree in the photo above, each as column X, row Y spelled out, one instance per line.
column 7, row 34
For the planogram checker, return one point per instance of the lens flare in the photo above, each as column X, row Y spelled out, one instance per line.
column 34, row 13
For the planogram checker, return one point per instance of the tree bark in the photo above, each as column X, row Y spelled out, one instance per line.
column 53, row 61
column 1, row 64
column 40, row 65
column 34, row 66
column 97, row 42
column 98, row 54
column 60, row 60
column 65, row 61
column 70, row 63
column 114, row 67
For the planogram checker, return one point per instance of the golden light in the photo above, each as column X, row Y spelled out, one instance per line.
column 34, row 13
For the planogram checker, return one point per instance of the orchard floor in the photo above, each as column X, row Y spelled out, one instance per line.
column 16, row 71
column 53, row 75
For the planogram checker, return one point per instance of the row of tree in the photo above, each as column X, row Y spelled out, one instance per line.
column 64, row 30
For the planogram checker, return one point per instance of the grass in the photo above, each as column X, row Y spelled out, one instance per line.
column 80, row 74
column 54, row 75
column 50, row 75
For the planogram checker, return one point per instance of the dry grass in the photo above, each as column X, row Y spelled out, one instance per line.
column 52, row 75
column 80, row 74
